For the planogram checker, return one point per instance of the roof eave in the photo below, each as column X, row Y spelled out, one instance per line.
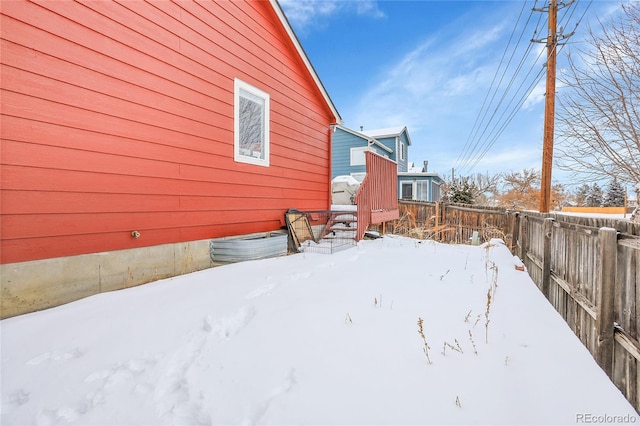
column 381, row 145
column 296, row 42
column 407, row 132
column 419, row 174
column 369, row 139
column 394, row 135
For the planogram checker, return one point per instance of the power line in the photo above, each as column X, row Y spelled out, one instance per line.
column 535, row 82
column 477, row 144
column 511, row 116
column 472, row 140
column 478, row 148
column 492, row 120
column 495, row 75
column 489, row 131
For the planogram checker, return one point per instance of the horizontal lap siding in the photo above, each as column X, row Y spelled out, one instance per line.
column 342, row 142
column 391, row 144
column 119, row 117
column 403, row 164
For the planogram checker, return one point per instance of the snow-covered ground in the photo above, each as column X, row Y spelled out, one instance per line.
column 312, row 339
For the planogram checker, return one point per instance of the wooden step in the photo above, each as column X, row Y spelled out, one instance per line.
column 343, row 228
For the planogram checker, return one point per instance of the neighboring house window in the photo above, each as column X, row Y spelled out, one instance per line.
column 357, row 156
column 407, row 190
column 422, row 190
column 435, row 191
column 251, row 124
column 402, row 151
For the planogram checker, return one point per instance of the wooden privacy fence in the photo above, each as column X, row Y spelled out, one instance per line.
column 588, row 268
column 454, row 223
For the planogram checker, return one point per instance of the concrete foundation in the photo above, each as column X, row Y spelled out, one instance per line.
column 41, row 284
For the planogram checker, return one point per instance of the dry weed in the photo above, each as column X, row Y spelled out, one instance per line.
column 424, row 339
column 473, row 343
column 407, row 226
column 490, row 231
column 486, row 316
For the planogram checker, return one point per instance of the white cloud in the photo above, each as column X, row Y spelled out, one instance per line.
column 428, row 81
column 369, row 8
column 479, row 39
column 437, row 89
column 302, row 13
column 465, row 83
column 512, row 159
column 536, row 96
column 305, row 15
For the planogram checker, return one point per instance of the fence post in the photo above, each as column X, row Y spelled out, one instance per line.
column 515, row 231
column 524, row 238
column 607, row 264
column 437, row 221
column 546, row 257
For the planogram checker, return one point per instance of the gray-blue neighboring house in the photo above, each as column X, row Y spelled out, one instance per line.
column 347, row 158
column 397, row 139
column 347, row 152
column 418, row 184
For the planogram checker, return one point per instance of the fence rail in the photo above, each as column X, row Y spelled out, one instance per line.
column 590, row 273
column 454, row 223
column 588, row 268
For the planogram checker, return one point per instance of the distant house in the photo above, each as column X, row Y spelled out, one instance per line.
column 419, row 185
column 348, row 147
column 134, row 132
column 397, row 139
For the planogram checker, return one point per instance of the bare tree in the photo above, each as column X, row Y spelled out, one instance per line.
column 599, row 105
column 485, row 188
column 522, row 191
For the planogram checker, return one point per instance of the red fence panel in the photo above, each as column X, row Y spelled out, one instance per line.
column 377, row 197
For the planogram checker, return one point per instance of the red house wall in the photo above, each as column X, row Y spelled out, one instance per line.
column 118, row 116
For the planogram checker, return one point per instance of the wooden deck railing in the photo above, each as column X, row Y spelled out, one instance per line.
column 377, row 197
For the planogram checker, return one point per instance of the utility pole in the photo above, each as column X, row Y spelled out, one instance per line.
column 550, row 101
column 549, row 109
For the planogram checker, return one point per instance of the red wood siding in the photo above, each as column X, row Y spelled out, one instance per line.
column 118, row 116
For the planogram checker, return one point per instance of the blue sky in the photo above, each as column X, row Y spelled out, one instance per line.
column 463, row 76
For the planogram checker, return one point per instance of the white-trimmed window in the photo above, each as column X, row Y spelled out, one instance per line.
column 251, row 124
column 422, row 190
column 406, row 190
column 403, row 152
column 357, row 156
column 435, row 191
